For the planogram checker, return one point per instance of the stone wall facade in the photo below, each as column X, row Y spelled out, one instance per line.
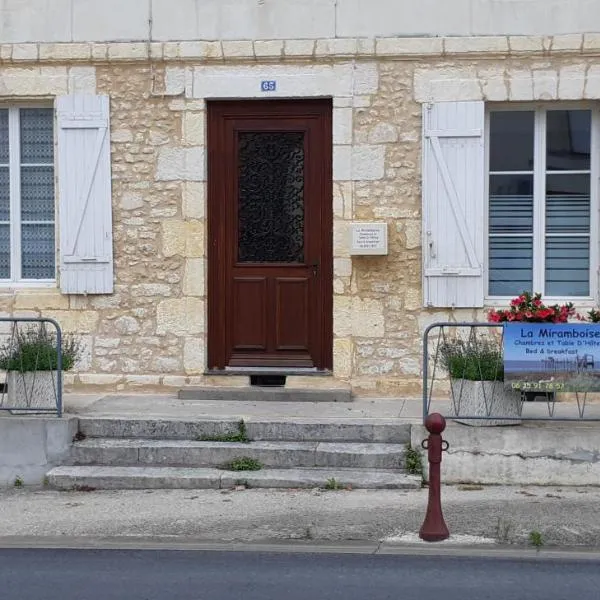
column 151, row 333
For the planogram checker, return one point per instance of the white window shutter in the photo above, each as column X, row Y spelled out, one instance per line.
column 85, row 197
column 453, row 204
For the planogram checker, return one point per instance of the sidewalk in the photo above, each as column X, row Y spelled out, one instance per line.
column 165, row 406
column 491, row 515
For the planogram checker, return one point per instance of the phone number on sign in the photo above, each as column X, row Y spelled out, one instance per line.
column 538, row 385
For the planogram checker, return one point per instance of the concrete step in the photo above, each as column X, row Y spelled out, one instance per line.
column 121, row 478
column 265, row 394
column 391, row 431
column 186, row 453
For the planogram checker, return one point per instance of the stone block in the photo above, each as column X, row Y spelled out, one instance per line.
column 176, row 381
column 142, row 381
column 183, row 238
column 366, row 78
column 571, row 82
column 127, row 50
column 367, row 318
column 99, row 379
column 131, row 201
column 340, row 239
column 446, row 84
column 368, row 162
column 66, row 52
column 40, row 300
column 293, row 80
column 383, row 133
column 299, row 47
column 342, row 125
column 194, row 200
column 127, row 325
column 545, row 85
column 194, row 128
column 174, row 81
column 194, row 277
column 365, row 46
column 342, row 357
column 180, row 316
column 25, row 52
column 592, row 84
column 591, row 42
column 194, row 358
column 475, row 45
column 342, row 163
column 71, row 321
column 268, row 48
column 336, row 47
column 342, row 267
column 520, row 85
column 181, row 164
column 34, row 81
column 202, row 50
column 237, row 49
column 398, row 46
column 412, row 232
column 99, row 51
column 525, row 43
column 82, row 80
column 342, row 200
column 567, row 43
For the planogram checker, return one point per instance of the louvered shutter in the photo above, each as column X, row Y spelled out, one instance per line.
column 85, row 198
column 453, row 204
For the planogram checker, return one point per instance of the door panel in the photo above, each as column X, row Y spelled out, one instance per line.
column 292, row 313
column 249, row 318
column 270, row 234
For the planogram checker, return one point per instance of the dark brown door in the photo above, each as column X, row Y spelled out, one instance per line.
column 270, row 234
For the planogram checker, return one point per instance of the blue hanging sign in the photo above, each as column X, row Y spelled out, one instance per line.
column 551, row 357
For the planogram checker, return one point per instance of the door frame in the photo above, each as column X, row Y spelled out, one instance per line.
column 219, row 186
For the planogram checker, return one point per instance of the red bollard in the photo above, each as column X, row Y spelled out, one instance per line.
column 434, row 528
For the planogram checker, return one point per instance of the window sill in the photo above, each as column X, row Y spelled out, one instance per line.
column 14, row 286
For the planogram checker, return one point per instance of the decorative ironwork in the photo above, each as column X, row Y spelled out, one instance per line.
column 271, row 197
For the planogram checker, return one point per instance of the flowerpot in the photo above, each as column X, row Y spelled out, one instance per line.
column 483, row 398
column 34, row 389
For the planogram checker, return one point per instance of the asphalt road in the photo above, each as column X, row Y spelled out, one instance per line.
column 60, row 574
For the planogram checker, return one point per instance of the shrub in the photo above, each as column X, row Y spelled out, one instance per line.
column 34, row 349
column 478, row 359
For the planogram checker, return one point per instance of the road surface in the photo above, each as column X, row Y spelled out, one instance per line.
column 63, row 574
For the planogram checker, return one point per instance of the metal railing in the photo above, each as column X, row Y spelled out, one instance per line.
column 525, row 405
column 31, row 366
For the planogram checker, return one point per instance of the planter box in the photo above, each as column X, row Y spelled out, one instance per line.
column 480, row 398
column 37, row 389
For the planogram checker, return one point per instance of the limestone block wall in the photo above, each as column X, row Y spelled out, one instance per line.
column 151, row 332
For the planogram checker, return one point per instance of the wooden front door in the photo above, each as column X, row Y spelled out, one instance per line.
column 270, row 234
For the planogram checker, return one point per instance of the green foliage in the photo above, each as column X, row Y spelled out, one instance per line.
column 536, row 539
column 241, row 435
column 34, row 349
column 413, row 461
column 478, row 359
column 333, row 484
column 244, row 463
column 18, row 482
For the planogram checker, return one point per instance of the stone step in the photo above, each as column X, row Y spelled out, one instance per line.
column 265, row 394
column 186, row 453
column 391, row 431
column 122, row 478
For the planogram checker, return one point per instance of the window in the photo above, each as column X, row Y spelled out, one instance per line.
column 27, row 210
column 541, row 202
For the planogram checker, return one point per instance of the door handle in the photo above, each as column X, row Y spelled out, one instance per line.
column 315, row 268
